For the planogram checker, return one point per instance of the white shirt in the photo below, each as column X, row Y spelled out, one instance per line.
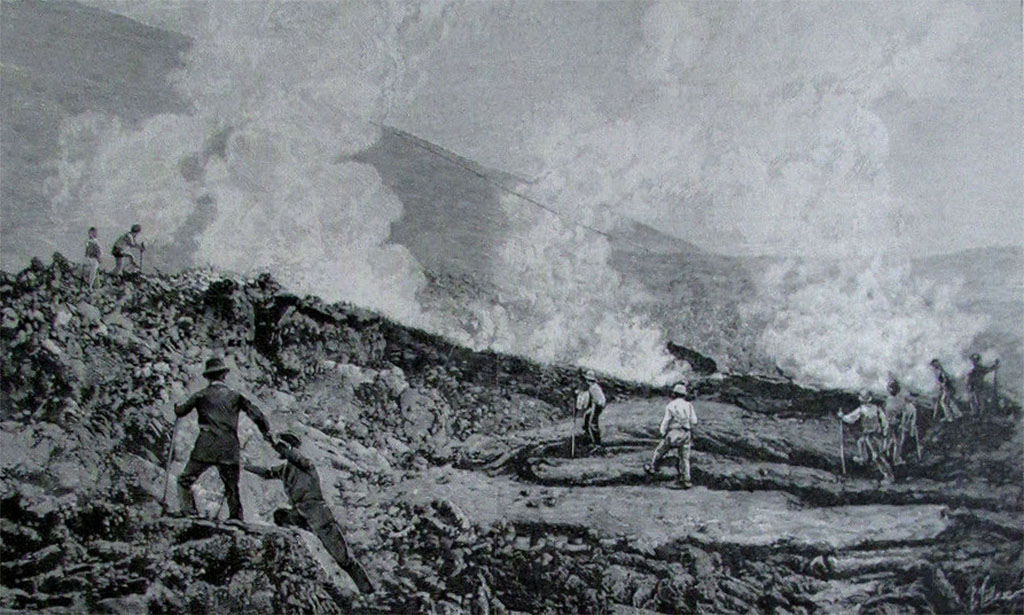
column 593, row 397
column 679, row 414
column 873, row 416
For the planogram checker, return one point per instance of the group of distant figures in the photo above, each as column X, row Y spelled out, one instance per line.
column 884, row 431
column 121, row 251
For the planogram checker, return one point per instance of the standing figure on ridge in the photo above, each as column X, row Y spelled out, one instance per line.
column 595, row 403
column 976, row 398
column 946, row 402
column 902, row 416
column 874, row 429
column 93, row 256
column 123, row 244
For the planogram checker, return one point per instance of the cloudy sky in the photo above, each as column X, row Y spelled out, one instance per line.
column 751, row 128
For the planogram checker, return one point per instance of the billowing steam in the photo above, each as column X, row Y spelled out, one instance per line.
column 567, row 303
column 259, row 176
column 292, row 90
column 852, row 323
column 732, row 138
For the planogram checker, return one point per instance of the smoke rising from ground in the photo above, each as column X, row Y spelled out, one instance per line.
column 852, row 323
column 296, row 89
column 292, row 90
column 567, row 303
column 748, row 128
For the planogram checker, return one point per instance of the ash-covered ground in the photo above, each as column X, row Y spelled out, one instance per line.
column 451, row 474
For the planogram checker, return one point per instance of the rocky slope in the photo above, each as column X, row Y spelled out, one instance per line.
column 450, row 471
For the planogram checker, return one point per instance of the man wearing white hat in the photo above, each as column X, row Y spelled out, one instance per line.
column 874, row 430
column 677, row 433
column 593, row 402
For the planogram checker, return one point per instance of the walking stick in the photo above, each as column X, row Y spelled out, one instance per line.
column 572, row 437
column 842, row 449
column 167, row 468
column 995, row 388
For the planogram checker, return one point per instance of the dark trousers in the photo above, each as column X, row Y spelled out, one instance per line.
column 318, row 519
column 591, row 426
column 228, row 475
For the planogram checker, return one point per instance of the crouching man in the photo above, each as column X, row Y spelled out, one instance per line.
column 677, row 434
column 310, row 511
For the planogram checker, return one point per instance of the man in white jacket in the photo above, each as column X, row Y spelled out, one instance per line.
column 592, row 402
column 677, row 433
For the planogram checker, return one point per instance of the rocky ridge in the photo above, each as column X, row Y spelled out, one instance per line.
column 451, row 474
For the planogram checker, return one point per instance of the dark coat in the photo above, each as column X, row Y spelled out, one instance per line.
column 218, row 407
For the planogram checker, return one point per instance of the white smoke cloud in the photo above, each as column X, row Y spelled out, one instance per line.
column 767, row 131
column 776, row 141
column 850, row 323
column 110, row 175
column 299, row 86
column 560, row 301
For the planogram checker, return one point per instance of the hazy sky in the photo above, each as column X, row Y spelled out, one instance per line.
column 808, row 127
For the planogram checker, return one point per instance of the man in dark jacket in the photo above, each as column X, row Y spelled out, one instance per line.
column 123, row 244
column 310, row 511
column 218, row 407
column 976, row 383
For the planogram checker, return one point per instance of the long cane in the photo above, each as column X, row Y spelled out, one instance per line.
column 995, row 389
column 167, row 469
column 842, row 448
column 572, row 438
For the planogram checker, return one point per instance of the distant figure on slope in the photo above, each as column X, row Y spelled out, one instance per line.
column 123, row 244
column 677, row 434
column 874, row 429
column 976, row 397
column 93, row 256
column 947, row 395
column 217, row 445
column 594, row 404
column 902, row 416
column 310, row 511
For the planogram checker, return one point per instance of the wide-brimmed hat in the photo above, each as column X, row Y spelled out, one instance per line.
column 290, row 438
column 589, row 375
column 215, row 366
column 136, row 228
column 975, row 357
column 680, row 389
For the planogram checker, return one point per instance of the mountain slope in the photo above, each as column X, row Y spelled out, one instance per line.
column 453, row 475
column 61, row 59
